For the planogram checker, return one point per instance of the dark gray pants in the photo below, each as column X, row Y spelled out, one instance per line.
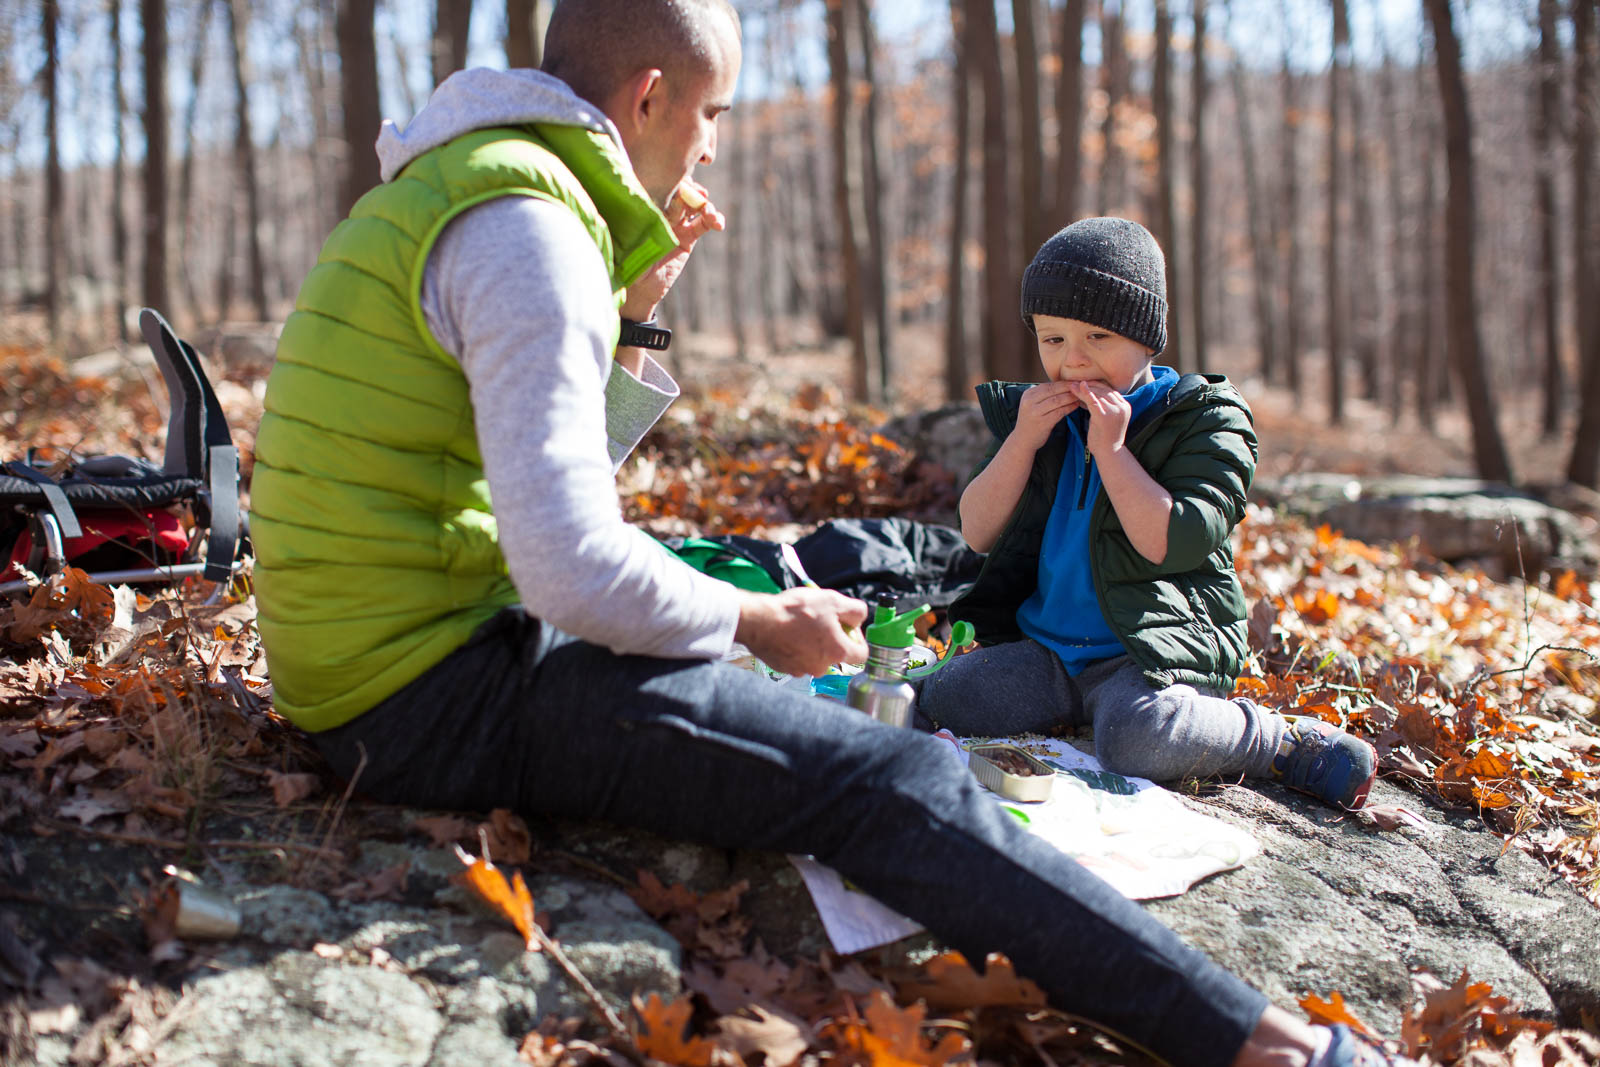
column 526, row 717
column 1162, row 734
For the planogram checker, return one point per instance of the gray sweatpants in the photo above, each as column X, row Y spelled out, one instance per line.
column 1164, row 735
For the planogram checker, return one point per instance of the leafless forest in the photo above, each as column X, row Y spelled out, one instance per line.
column 1359, row 199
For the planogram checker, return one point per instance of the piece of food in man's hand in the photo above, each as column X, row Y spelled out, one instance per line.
column 691, row 197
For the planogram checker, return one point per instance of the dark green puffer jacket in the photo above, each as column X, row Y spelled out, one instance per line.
column 1182, row 620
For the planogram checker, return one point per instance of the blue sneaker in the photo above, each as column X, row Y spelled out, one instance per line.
column 1317, row 757
column 1349, row 1049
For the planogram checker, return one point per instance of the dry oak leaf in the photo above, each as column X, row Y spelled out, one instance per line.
column 892, row 1037
column 753, row 979
column 659, row 1033
column 509, row 840
column 1448, row 1015
column 948, row 981
column 445, row 829
column 1330, row 1011
column 290, row 788
column 386, row 884
column 779, row 1036
column 512, row 900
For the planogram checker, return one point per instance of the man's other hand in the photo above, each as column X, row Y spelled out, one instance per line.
column 689, row 224
column 802, row 631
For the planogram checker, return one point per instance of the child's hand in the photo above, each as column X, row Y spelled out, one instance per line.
column 1109, row 414
column 1042, row 407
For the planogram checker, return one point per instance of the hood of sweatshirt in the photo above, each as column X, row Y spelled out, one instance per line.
column 481, row 97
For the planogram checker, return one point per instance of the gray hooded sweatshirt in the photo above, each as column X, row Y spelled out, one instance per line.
column 516, row 290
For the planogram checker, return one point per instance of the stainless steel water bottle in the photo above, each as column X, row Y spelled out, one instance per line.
column 882, row 689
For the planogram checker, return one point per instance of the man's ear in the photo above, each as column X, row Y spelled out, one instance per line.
column 642, row 97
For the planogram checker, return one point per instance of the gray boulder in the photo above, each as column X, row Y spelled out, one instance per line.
column 1513, row 531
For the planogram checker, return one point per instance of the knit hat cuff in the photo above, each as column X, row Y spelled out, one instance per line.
column 1073, row 291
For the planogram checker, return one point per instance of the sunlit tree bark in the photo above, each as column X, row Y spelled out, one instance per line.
column 54, row 201
column 1584, row 467
column 1465, row 341
column 358, row 56
column 1547, row 122
column 452, row 26
column 1199, row 186
column 958, row 367
column 153, row 25
column 1166, row 182
column 525, row 24
column 244, row 150
column 1069, row 115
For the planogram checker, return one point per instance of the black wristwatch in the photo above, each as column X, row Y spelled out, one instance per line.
column 644, row 335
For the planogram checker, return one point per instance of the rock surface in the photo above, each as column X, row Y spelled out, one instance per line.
column 1332, row 904
column 1451, row 519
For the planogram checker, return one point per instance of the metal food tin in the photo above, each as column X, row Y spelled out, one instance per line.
column 1028, row 787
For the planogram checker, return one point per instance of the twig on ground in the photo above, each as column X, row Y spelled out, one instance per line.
column 344, row 800
column 613, row 1023
column 591, row 866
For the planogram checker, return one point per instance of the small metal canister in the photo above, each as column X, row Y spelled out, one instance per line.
column 986, row 763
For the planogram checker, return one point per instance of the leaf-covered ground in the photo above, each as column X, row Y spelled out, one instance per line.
column 144, row 718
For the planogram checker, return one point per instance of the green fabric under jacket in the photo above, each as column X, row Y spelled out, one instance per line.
column 376, row 547
column 1181, row 620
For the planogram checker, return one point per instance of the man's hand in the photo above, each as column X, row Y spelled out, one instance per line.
column 802, row 631
column 1042, row 407
column 689, row 225
column 1109, row 414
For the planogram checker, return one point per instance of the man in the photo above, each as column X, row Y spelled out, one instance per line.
column 464, row 338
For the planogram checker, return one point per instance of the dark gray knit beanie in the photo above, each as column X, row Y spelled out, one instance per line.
column 1105, row 271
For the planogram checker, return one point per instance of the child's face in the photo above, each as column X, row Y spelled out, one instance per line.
column 1075, row 351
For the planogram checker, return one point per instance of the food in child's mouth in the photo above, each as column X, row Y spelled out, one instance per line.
column 690, row 196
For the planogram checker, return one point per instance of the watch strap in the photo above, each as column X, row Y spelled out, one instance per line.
column 644, row 335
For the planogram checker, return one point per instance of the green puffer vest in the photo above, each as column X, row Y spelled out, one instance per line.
column 1181, row 620
column 376, row 547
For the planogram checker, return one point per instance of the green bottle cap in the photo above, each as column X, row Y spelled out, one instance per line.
column 888, row 630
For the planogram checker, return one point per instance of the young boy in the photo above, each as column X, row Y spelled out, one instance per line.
column 1109, row 595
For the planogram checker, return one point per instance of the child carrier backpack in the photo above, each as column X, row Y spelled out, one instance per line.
column 121, row 518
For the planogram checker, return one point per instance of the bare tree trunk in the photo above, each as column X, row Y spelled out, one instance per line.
column 1030, row 143
column 1289, row 228
column 119, row 210
column 1487, row 447
column 1005, row 357
column 452, row 25
column 358, row 53
column 957, row 364
column 1199, row 163
column 153, row 24
column 1429, row 319
column 525, row 24
column 1166, row 180
column 245, row 156
column 54, row 201
column 187, row 206
column 310, row 44
column 1069, row 114
column 1403, row 351
column 1261, row 259
column 1334, row 298
column 1546, row 124
column 1584, row 466
column 881, row 270
column 225, row 274
column 1363, row 289
column 847, row 197
column 1114, row 80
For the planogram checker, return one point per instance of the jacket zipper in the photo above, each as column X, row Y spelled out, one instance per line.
column 1083, row 483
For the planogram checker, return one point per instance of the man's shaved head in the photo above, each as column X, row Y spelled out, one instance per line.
column 597, row 45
